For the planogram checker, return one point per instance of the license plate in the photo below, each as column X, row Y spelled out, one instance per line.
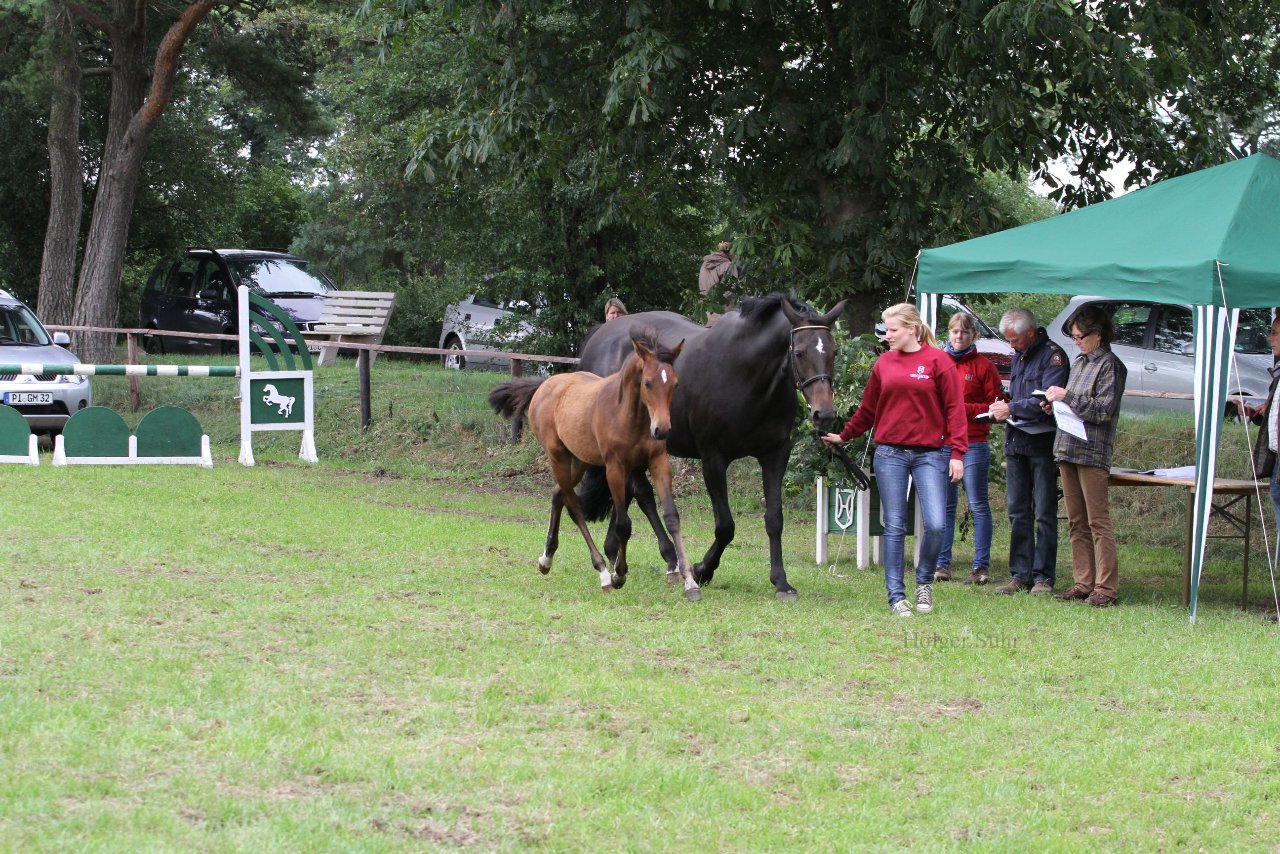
column 313, row 348
column 28, row 398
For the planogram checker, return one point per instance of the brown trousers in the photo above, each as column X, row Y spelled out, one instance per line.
column 1093, row 539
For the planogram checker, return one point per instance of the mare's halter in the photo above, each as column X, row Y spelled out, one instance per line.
column 801, row 385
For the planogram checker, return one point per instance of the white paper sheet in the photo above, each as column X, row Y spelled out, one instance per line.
column 1068, row 420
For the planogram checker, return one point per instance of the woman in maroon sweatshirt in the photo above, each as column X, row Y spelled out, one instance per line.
column 915, row 401
column 982, row 388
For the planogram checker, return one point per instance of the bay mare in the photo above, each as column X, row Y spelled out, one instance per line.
column 736, row 398
column 619, row 422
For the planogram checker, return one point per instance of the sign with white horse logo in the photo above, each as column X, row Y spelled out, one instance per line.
column 273, row 402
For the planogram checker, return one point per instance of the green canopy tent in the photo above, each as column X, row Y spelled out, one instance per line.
column 1210, row 239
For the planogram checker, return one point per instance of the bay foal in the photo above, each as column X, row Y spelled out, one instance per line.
column 619, row 422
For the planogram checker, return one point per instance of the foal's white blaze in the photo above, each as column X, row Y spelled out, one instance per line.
column 820, row 350
column 663, row 374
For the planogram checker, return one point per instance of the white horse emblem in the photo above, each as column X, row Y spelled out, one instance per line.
column 275, row 398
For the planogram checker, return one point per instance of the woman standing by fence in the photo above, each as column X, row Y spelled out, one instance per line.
column 915, row 401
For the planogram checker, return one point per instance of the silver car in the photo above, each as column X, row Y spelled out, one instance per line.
column 45, row 401
column 479, row 324
column 1155, row 342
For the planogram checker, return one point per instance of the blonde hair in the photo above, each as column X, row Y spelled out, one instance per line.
column 910, row 316
column 965, row 319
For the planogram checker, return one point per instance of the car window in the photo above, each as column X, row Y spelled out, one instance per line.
column 155, row 284
column 19, row 326
column 1173, row 332
column 1130, row 321
column 278, row 276
column 1251, row 331
column 182, row 278
column 211, row 278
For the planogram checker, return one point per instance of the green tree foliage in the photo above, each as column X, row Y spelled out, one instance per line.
column 560, row 239
column 226, row 166
column 847, row 136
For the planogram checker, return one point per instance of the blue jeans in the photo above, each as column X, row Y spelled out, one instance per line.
column 895, row 468
column 977, row 464
column 1032, row 487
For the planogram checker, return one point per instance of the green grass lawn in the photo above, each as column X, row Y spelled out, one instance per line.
column 360, row 655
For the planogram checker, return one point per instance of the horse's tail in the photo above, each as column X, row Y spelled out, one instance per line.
column 594, row 496
column 511, row 399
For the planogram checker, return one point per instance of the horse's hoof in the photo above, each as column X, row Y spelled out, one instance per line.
column 693, row 594
column 607, row 588
column 544, row 565
column 787, row 595
column 673, row 576
column 618, row 581
column 702, row 576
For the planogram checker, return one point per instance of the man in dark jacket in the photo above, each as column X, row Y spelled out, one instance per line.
column 1031, row 477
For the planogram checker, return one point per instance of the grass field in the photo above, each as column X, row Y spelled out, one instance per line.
column 360, row 655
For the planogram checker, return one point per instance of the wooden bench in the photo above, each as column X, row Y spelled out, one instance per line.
column 356, row 316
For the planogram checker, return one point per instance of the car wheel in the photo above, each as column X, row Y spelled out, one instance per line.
column 453, row 361
column 153, row 344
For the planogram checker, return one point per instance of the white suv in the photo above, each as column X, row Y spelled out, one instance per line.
column 1154, row 340
column 46, row 401
column 478, row 324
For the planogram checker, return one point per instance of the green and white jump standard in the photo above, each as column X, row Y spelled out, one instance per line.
column 275, row 399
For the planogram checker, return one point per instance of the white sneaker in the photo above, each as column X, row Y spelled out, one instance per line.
column 924, row 598
column 901, row 608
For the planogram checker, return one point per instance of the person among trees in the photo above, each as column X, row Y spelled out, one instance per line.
column 718, row 278
column 915, row 401
column 613, row 309
column 1093, row 392
column 715, row 267
column 982, row 387
column 1031, row 477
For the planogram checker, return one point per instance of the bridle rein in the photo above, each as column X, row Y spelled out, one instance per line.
column 801, row 385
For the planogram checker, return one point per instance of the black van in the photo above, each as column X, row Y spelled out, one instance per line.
column 197, row 293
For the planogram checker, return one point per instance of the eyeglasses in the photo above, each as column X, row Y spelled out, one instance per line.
column 1075, row 337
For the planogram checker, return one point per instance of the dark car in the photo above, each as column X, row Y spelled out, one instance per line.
column 197, row 293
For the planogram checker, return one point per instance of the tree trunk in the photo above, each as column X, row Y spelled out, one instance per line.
column 66, row 178
column 130, row 125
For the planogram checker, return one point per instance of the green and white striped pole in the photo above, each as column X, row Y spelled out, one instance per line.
column 78, row 370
